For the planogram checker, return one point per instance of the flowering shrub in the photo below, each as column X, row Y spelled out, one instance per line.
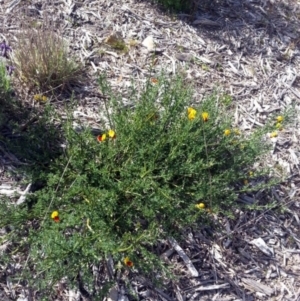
column 157, row 168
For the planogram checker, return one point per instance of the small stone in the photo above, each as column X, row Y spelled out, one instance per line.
column 149, row 43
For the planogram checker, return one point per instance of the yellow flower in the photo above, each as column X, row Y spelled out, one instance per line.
column 200, row 206
column 112, row 134
column 55, row 216
column 191, row 113
column 205, row 116
column 274, row 134
column 39, row 97
column 101, row 138
column 227, row 132
column 278, row 126
column 250, row 173
column 128, row 262
column 279, row 118
column 237, row 131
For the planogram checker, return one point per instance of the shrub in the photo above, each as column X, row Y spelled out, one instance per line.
column 42, row 62
column 154, row 170
column 4, row 82
column 5, row 90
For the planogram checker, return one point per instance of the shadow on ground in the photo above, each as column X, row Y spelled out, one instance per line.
column 29, row 139
column 238, row 24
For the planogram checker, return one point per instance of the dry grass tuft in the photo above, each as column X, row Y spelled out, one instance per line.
column 43, row 63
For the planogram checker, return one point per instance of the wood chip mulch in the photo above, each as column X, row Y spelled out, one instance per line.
column 249, row 51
